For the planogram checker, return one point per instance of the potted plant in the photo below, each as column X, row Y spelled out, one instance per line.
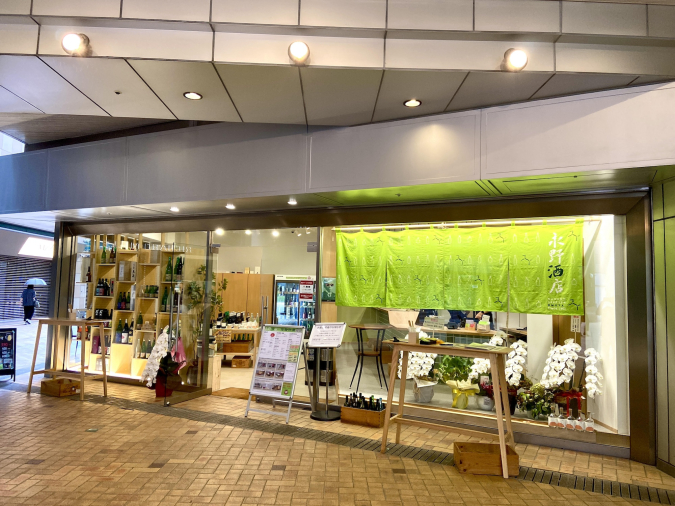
column 537, row 401
column 455, row 372
column 421, row 371
column 168, row 378
column 485, row 400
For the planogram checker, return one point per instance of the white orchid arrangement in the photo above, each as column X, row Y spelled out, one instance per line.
column 593, row 376
column 419, row 364
column 481, row 366
column 160, row 350
column 560, row 364
column 516, row 363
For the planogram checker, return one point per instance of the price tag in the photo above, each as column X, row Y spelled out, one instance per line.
column 576, row 323
column 306, row 290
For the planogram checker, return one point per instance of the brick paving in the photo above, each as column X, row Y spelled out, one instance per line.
column 139, row 458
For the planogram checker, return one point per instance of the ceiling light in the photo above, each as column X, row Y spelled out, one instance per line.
column 292, row 201
column 275, row 233
column 248, row 232
column 219, row 231
column 230, row 206
column 75, row 43
column 413, row 102
column 174, row 209
column 192, row 95
column 298, row 52
column 515, row 59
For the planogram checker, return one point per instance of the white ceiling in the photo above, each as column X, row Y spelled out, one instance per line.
column 153, row 89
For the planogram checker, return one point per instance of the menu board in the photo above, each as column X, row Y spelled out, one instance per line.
column 327, row 335
column 7, row 352
column 277, row 361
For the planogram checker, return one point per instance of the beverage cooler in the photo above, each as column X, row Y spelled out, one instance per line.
column 295, row 300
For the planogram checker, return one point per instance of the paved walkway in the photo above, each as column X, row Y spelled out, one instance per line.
column 65, row 452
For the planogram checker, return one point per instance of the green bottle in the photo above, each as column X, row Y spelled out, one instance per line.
column 167, row 276
column 139, row 322
column 128, row 300
column 118, row 333
column 165, row 300
column 103, row 255
column 176, row 270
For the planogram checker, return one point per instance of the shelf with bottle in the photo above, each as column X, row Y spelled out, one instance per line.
column 149, row 265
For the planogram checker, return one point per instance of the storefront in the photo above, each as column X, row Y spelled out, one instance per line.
column 185, row 274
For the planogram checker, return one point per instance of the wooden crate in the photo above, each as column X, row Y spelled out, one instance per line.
column 237, row 347
column 244, row 361
column 484, row 458
column 60, row 387
column 363, row 417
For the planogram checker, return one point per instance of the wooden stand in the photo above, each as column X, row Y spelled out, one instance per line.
column 58, row 323
column 497, row 364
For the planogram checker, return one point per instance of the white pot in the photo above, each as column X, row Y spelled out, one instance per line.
column 424, row 393
column 485, row 403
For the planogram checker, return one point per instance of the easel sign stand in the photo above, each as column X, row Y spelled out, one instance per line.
column 496, row 355
column 276, row 366
column 323, row 336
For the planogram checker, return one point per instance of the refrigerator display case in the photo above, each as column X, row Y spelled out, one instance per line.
column 295, row 300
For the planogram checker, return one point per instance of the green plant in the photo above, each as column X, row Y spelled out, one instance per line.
column 194, row 295
column 538, row 400
column 454, row 368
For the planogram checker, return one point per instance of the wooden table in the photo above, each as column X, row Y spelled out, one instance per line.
column 257, row 331
column 381, row 328
column 497, row 357
column 515, row 332
column 64, row 322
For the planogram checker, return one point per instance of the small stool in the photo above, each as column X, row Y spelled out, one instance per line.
column 377, row 352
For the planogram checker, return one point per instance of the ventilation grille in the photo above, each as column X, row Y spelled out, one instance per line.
column 14, row 271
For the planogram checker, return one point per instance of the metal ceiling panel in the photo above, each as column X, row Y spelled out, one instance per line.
column 482, row 89
column 517, row 16
column 345, row 13
column 169, row 80
column 169, row 44
column 615, row 59
column 112, row 84
column 112, row 212
column 265, row 12
column 339, row 97
column 180, row 10
column 10, row 103
column 31, row 79
column 15, row 7
column 17, row 37
column 433, row 89
column 661, row 20
column 567, row 84
column 82, row 8
column 605, row 19
column 272, row 49
column 265, row 94
column 35, row 128
column 464, row 54
column 430, row 15
column 19, row 219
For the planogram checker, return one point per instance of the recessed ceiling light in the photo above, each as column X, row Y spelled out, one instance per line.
column 174, row 209
column 230, row 206
column 248, row 232
column 219, row 231
column 75, row 43
column 192, row 95
column 275, row 233
column 298, row 52
column 413, row 102
column 292, row 201
column 515, row 60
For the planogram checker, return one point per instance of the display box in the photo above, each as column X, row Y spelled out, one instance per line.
column 127, row 270
column 59, row 387
column 484, row 458
column 364, row 417
column 237, row 347
column 242, row 361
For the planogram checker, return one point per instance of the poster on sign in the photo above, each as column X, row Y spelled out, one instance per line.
column 306, row 290
column 327, row 335
column 276, row 366
column 8, row 353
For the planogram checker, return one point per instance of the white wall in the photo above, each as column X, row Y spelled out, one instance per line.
column 285, row 254
column 606, row 329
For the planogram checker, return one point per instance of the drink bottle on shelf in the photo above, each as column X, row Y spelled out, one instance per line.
column 118, row 332
column 167, row 274
column 125, row 332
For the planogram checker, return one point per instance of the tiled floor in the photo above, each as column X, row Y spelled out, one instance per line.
column 135, row 458
column 583, row 464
